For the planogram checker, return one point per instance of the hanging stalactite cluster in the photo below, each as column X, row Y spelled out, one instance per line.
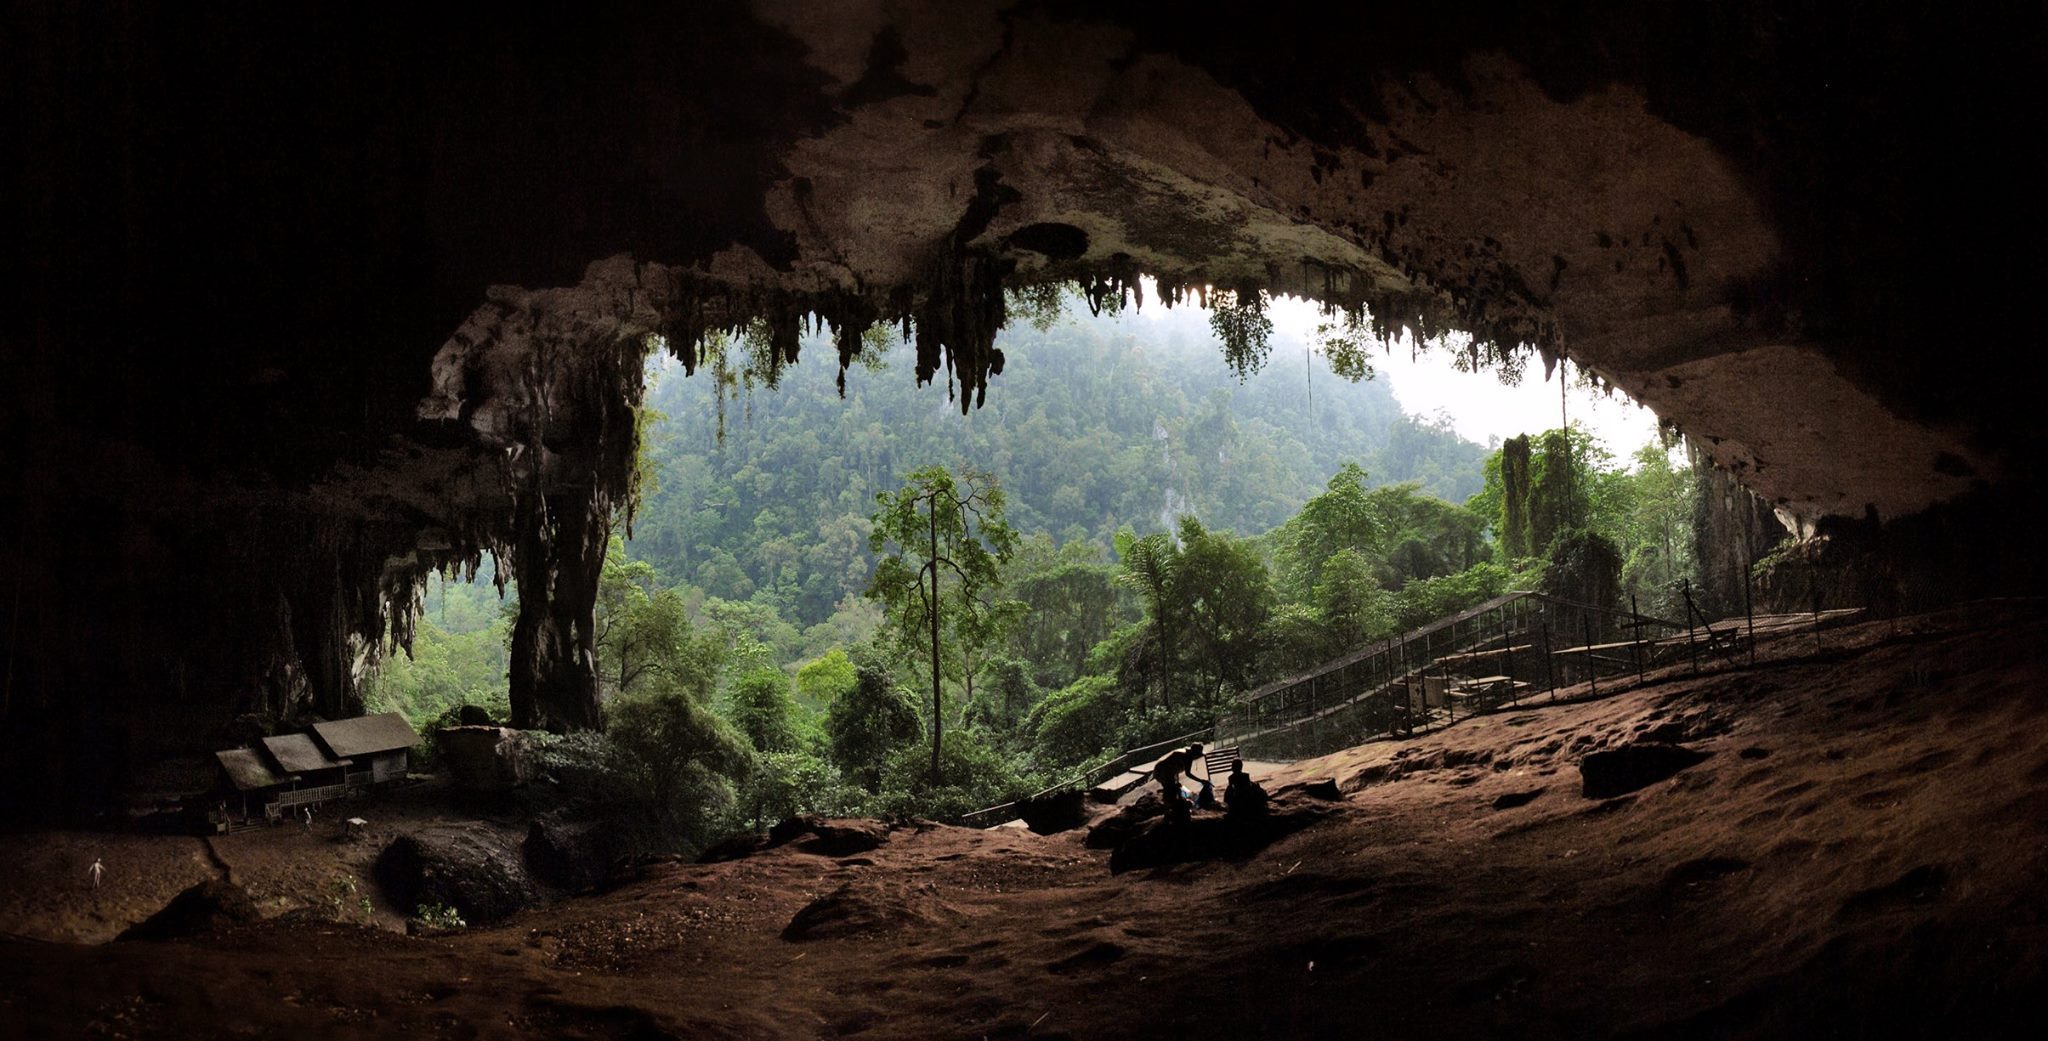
column 547, row 384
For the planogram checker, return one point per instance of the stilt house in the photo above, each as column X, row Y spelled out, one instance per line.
column 379, row 747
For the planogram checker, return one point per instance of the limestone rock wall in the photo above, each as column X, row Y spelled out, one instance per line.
column 311, row 301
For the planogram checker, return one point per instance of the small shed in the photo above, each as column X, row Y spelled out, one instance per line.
column 247, row 774
column 380, row 746
column 298, row 754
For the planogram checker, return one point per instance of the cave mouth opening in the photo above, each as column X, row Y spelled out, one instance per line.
column 751, row 343
column 1583, row 184
column 1480, row 387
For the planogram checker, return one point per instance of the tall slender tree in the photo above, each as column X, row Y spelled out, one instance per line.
column 942, row 543
column 1150, row 566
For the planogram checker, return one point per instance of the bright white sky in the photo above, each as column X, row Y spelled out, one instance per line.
column 1479, row 405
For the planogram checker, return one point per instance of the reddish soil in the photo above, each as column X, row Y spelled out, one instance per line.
column 1861, row 853
column 46, row 893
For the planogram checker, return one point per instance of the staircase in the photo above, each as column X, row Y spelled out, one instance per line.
column 1504, row 647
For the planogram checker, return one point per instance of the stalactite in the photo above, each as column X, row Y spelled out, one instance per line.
column 1514, row 479
column 566, row 470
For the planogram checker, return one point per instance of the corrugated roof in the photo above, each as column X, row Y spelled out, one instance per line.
column 298, row 754
column 247, row 770
column 366, row 735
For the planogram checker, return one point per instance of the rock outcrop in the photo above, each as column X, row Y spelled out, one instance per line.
column 575, row 852
column 294, row 334
column 1632, row 767
column 205, row 908
column 1159, row 842
column 487, row 759
column 470, row 868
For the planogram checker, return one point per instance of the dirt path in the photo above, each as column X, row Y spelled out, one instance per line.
column 1861, row 853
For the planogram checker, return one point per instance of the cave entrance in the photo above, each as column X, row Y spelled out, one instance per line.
column 1237, row 437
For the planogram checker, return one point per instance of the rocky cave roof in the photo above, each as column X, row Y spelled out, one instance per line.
column 315, row 304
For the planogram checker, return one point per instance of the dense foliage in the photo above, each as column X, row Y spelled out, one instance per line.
column 1154, row 535
column 1094, row 424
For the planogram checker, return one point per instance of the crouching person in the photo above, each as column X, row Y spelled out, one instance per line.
column 1168, row 772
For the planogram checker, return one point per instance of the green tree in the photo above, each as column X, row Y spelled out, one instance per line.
column 1657, row 540
column 1585, row 567
column 1350, row 603
column 1344, row 516
column 999, row 708
column 825, row 679
column 1151, row 566
column 1511, row 465
column 762, row 710
column 1224, row 597
column 1069, row 607
column 790, row 784
column 943, row 543
column 1561, row 481
column 970, row 776
column 1297, row 639
column 441, row 671
column 678, row 756
column 864, row 724
column 644, row 633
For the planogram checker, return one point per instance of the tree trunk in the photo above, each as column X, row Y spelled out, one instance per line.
column 938, row 716
column 553, row 674
column 966, row 675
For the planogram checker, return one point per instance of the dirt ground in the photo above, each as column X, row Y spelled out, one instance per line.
column 46, row 892
column 1861, row 854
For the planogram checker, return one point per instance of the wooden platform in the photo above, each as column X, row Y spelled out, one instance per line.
column 1454, row 659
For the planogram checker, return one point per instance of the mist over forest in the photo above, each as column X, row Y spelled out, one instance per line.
column 1158, row 534
column 1094, row 424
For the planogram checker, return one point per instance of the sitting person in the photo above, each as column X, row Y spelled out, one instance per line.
column 1242, row 795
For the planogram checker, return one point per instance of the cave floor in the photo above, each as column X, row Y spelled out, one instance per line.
column 1861, row 854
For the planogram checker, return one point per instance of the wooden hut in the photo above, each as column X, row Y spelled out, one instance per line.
column 299, row 754
column 379, row 747
column 320, row 776
column 250, row 778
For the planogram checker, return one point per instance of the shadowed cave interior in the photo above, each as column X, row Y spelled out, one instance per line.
column 313, row 304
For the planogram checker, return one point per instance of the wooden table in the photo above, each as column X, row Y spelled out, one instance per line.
column 1488, row 690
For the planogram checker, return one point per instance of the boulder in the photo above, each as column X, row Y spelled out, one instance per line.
column 1159, row 842
column 1060, row 811
column 826, row 838
column 1325, row 790
column 847, row 911
column 843, row 838
column 469, row 867
column 1618, row 771
column 205, row 908
column 488, row 758
column 575, row 852
column 1113, row 831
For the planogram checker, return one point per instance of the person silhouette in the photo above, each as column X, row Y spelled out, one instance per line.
column 1241, row 795
column 1168, row 772
column 96, row 870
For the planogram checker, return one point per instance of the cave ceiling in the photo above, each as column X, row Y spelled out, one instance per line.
column 375, row 284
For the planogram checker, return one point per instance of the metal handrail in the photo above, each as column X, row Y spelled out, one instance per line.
column 1381, row 645
column 1084, row 780
column 1314, row 706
